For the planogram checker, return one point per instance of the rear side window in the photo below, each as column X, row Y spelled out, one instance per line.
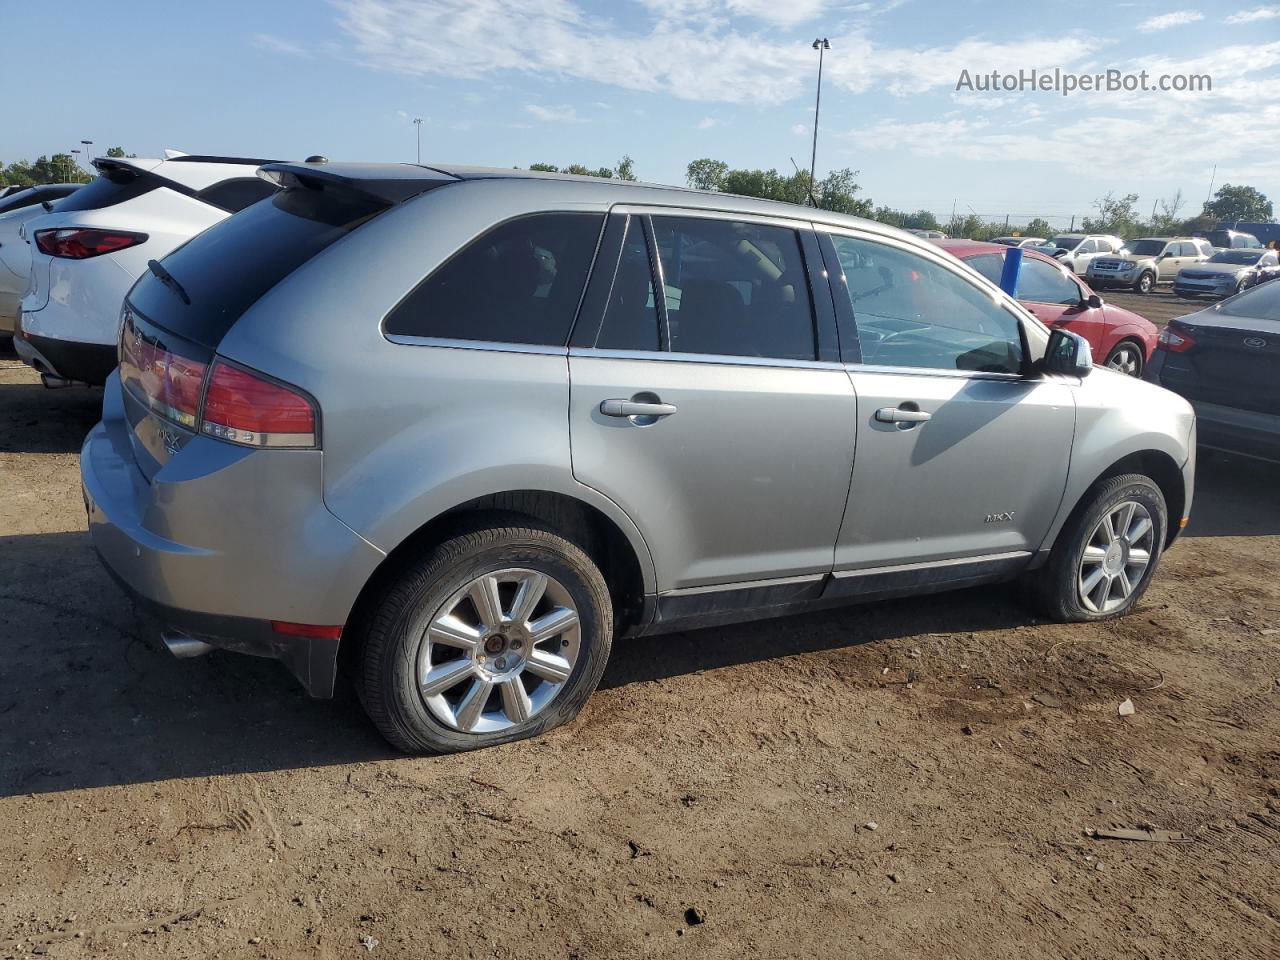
column 225, row 269
column 108, row 189
column 519, row 283
column 735, row 289
column 631, row 318
column 234, row 195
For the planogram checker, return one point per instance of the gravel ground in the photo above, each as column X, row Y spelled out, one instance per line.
column 906, row 779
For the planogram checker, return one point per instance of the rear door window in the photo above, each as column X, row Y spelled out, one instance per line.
column 519, row 283
column 631, row 318
column 735, row 289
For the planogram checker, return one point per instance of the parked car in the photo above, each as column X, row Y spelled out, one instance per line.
column 1227, row 273
column 1264, row 233
column 1076, row 250
column 468, row 425
column 1121, row 338
column 929, row 234
column 87, row 253
column 1233, row 240
column 1225, row 359
column 1021, row 241
column 1144, row 263
column 15, row 255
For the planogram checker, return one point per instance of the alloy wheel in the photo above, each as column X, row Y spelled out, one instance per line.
column 1116, row 557
column 499, row 651
column 1126, row 359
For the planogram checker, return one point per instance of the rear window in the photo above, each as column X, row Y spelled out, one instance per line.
column 235, row 195
column 33, row 195
column 225, row 269
column 109, row 188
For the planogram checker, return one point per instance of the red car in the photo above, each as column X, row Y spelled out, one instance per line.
column 1120, row 339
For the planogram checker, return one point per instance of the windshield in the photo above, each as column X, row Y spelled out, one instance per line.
column 1257, row 302
column 1145, row 248
column 1064, row 243
column 1236, row 256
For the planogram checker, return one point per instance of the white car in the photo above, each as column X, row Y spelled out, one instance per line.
column 87, row 253
column 1021, row 241
column 17, row 206
column 1075, row 250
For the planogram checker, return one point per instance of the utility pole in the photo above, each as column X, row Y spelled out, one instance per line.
column 822, row 45
column 1212, row 179
column 417, row 123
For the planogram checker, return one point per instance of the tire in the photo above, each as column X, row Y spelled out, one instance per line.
column 1145, row 283
column 1126, row 357
column 1058, row 588
column 1241, row 287
column 397, row 647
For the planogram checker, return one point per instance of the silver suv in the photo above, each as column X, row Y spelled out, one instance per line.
column 1144, row 263
column 458, row 429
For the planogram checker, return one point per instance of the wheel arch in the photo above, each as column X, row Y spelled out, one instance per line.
column 1163, row 471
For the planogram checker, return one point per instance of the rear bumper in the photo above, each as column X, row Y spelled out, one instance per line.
column 86, row 362
column 224, row 540
column 1245, row 432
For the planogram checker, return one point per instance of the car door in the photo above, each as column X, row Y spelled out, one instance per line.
column 1170, row 261
column 962, row 452
column 715, row 412
column 1082, row 254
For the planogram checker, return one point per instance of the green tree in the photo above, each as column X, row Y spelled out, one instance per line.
column 706, row 174
column 1039, row 227
column 1118, row 215
column 837, row 191
column 544, row 167
column 626, row 169
column 118, row 152
column 1239, row 203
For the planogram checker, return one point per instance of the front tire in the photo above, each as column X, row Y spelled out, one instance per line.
column 494, row 635
column 1146, row 283
column 1126, row 357
column 1105, row 556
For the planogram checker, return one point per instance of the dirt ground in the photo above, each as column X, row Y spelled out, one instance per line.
column 906, row 779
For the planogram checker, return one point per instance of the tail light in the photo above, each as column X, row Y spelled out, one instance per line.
column 248, row 408
column 79, row 243
column 217, row 399
column 1176, row 340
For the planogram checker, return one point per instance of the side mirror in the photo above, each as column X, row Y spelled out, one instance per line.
column 1092, row 302
column 1068, row 353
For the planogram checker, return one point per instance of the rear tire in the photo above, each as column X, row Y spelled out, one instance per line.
column 441, row 673
column 1106, row 555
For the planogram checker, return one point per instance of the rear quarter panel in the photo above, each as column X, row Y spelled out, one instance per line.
column 411, row 431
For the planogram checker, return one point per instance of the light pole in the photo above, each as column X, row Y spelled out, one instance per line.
column 86, row 144
column 822, row 45
column 417, row 123
column 75, row 166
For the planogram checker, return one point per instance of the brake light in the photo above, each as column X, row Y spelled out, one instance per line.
column 246, row 407
column 169, row 382
column 1176, row 341
column 78, row 243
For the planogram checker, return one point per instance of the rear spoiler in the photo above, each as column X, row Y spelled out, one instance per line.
column 388, row 183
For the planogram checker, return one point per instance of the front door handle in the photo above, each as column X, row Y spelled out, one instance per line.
column 636, row 408
column 902, row 415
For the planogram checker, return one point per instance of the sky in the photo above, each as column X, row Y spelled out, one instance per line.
column 513, row 82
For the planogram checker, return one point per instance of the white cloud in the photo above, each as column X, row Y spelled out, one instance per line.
column 1252, row 16
column 799, row 128
column 273, row 44
column 678, row 54
column 564, row 113
column 706, row 123
column 1166, row 20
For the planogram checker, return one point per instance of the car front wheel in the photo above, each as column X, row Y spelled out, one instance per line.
column 1106, row 554
column 497, row 634
column 1146, row 283
column 1126, row 358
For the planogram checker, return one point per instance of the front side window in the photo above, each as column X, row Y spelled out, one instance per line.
column 735, row 289
column 519, row 283
column 913, row 312
column 1044, row 283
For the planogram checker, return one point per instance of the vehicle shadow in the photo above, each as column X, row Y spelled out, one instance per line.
column 35, row 419
column 1235, row 497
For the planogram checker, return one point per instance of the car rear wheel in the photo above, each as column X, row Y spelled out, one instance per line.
column 1146, row 283
column 495, row 635
column 1106, row 554
column 1126, row 357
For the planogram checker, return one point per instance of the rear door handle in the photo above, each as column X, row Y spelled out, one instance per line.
column 901, row 415
column 636, row 408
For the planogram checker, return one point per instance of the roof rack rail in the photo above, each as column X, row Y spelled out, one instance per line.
column 204, row 158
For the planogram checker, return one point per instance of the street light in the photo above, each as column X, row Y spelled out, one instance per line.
column 822, row 45
column 75, row 167
column 417, row 123
column 86, row 144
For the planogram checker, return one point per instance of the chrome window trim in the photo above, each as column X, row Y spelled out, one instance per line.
column 708, row 358
column 938, row 372
column 492, row 346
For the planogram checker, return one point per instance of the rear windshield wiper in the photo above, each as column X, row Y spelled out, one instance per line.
column 169, row 280
column 48, row 205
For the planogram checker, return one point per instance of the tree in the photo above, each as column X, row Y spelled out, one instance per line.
column 837, row 192
column 1166, row 220
column 544, row 167
column 575, row 169
column 1039, row 227
column 706, row 174
column 1239, row 203
column 118, row 152
column 1118, row 215
column 60, row 168
column 626, row 169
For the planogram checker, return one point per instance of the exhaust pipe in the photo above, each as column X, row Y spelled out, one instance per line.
column 184, row 646
column 55, row 383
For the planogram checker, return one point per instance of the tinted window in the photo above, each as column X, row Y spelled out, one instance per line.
column 631, row 318
column 108, row 189
column 30, row 196
column 519, row 283
column 1064, row 243
column 1262, row 301
column 275, row 238
column 235, row 195
column 735, row 289
column 1045, row 283
column 990, row 265
column 912, row 312
column 1146, row 248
